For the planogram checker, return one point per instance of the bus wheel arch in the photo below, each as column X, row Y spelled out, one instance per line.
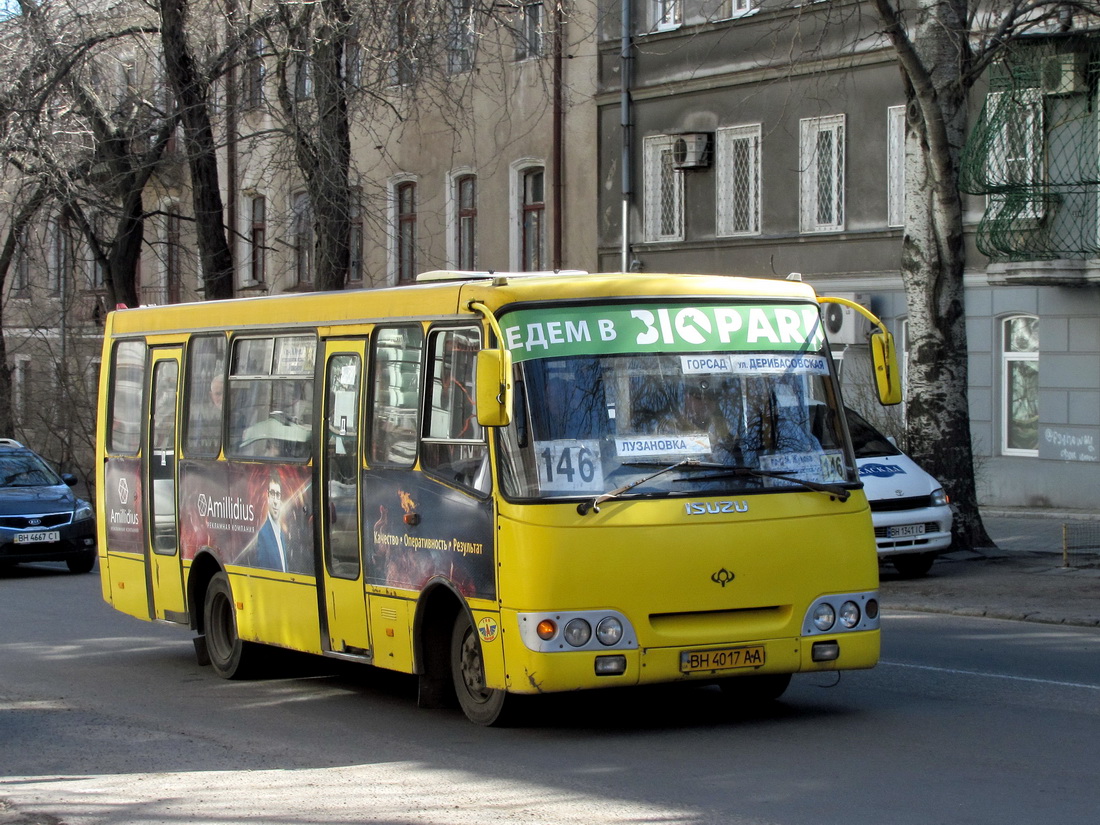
column 436, row 610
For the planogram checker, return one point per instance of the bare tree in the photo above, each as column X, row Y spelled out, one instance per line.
column 942, row 50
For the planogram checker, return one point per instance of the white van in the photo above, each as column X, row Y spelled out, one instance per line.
column 909, row 508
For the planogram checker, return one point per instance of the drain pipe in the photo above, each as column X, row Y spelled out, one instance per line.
column 626, row 122
column 557, row 138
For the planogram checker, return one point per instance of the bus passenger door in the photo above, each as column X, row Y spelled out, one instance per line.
column 345, row 602
column 164, row 575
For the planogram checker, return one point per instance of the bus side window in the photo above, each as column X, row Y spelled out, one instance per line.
column 127, row 387
column 205, row 395
column 454, row 445
column 396, row 395
column 271, row 397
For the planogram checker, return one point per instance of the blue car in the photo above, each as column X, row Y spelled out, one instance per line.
column 40, row 517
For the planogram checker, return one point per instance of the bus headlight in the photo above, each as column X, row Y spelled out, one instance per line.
column 578, row 632
column 824, row 616
column 609, row 631
column 849, row 614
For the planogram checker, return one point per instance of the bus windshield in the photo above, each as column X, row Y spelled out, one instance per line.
column 737, row 418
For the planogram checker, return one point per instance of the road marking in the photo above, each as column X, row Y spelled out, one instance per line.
column 958, row 672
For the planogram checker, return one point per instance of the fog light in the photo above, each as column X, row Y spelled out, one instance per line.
column 824, row 616
column 825, row 651
column 849, row 614
column 872, row 608
column 610, row 665
column 578, row 632
column 547, row 629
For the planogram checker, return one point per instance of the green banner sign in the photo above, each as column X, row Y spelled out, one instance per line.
column 552, row 332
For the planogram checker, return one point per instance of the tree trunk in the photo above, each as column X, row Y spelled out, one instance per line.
column 934, row 57
column 192, row 96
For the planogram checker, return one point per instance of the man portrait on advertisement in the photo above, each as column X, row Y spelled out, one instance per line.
column 272, row 539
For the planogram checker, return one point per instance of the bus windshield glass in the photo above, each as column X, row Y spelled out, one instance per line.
column 726, row 398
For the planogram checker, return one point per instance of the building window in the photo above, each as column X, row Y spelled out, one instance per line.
column 460, row 36
column 355, row 239
column 257, row 240
column 303, row 78
column 60, row 263
column 895, row 166
column 21, row 388
column 821, row 175
column 663, row 191
column 403, row 66
column 532, row 220
column 173, row 254
column 738, row 180
column 530, row 31
column 1020, row 400
column 1015, row 158
column 254, row 74
column 21, row 267
column 302, row 217
column 465, row 196
column 739, row 8
column 667, row 14
column 405, row 232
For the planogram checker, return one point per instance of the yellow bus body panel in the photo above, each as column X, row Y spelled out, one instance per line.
column 124, row 584
column 276, row 609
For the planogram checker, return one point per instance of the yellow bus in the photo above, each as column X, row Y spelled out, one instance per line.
column 503, row 483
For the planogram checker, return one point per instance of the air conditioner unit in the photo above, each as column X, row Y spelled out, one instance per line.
column 691, row 151
column 1064, row 74
column 843, row 325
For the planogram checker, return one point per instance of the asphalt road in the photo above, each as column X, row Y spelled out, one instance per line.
column 106, row 720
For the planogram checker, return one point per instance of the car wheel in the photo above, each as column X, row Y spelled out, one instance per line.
column 229, row 656
column 82, row 563
column 482, row 705
column 914, row 566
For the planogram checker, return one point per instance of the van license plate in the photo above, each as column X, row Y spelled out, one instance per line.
column 725, row 658
column 904, row 530
column 37, row 537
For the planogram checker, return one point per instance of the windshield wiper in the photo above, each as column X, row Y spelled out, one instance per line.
column 727, row 471
column 595, row 503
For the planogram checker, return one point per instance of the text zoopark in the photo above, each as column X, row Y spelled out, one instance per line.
column 610, row 330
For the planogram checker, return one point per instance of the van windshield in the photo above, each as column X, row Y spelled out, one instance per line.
column 589, row 422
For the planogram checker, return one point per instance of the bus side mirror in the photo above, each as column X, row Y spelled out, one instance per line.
column 494, row 388
column 887, row 377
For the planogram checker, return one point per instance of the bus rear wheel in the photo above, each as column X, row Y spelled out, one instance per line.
column 229, row 656
column 482, row 705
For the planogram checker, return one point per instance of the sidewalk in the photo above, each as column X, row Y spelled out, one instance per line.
column 1022, row 578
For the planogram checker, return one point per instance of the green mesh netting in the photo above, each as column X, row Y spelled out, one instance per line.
column 1033, row 153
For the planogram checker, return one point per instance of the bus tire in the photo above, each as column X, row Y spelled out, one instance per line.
column 482, row 705
column 229, row 656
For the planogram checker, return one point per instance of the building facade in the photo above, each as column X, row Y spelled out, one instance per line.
column 764, row 141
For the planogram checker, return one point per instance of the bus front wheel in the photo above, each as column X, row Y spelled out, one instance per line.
column 482, row 705
column 230, row 657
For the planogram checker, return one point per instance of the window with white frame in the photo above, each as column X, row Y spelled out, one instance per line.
column 895, row 166
column 254, row 72
column 530, row 30
column 821, row 174
column 532, row 220
column 739, row 8
column 737, row 158
column 21, row 388
column 666, row 14
column 1016, row 151
column 663, row 190
column 465, row 221
column 1020, row 385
